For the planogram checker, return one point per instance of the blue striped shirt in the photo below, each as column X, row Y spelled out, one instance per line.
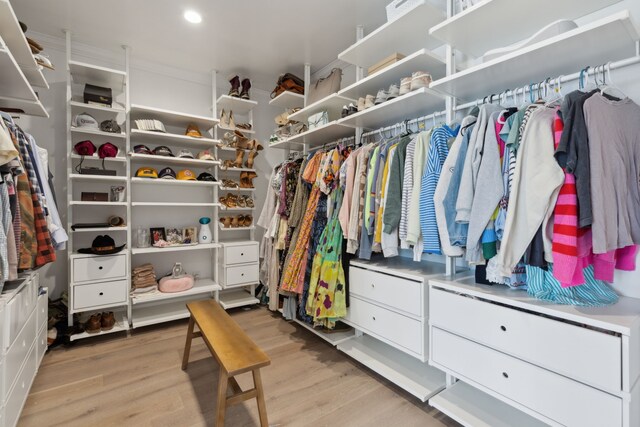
column 438, row 152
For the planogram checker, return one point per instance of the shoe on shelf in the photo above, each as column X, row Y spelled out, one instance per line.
column 394, row 92
column 225, row 221
column 405, row 86
column 352, row 109
column 235, row 86
column 242, row 201
column 246, row 86
column 234, row 222
column 249, row 202
column 239, row 158
column 369, row 101
column 255, row 145
column 241, row 141
column 246, row 179
column 361, row 102
column 231, row 123
column 248, row 220
column 345, row 112
column 382, row 96
column 94, row 324
column 251, row 158
column 244, row 126
column 420, row 79
column 227, row 183
column 107, row 321
column 224, row 119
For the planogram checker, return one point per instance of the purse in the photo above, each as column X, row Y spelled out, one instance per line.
column 290, row 83
column 318, row 119
column 325, row 86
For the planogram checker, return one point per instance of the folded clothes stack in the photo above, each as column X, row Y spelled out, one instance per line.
column 143, row 279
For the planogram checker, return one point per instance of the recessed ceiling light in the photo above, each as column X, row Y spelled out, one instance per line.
column 193, row 16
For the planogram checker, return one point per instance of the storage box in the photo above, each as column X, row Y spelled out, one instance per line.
column 319, row 119
column 391, row 59
column 97, row 95
column 94, row 197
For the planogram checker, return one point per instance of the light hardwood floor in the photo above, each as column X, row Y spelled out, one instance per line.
column 137, row 381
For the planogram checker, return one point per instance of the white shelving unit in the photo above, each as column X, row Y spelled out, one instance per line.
column 333, row 338
column 89, row 131
column 145, row 136
column 122, row 325
column 172, row 118
column 176, row 248
column 237, row 298
column 82, row 106
column 201, row 286
column 288, row 100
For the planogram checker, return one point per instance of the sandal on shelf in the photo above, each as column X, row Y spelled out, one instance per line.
column 227, row 183
column 242, row 201
column 248, row 220
column 244, row 126
column 225, row 221
column 223, row 200
column 255, row 145
column 232, row 200
column 234, row 222
column 228, row 164
column 249, row 201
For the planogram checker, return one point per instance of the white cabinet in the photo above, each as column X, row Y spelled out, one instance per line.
column 239, row 264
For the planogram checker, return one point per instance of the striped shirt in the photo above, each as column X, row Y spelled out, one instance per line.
column 438, row 152
column 407, row 190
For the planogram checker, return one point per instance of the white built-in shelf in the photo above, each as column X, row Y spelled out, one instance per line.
column 324, row 134
column 161, row 138
column 472, row 407
column 237, row 298
column 223, row 228
column 165, row 311
column 422, row 60
column 89, row 131
column 176, row 204
column 201, row 286
column 405, row 35
column 14, row 84
column 31, row 108
column 409, row 373
column 176, row 248
column 237, row 105
column 236, row 189
column 467, row 32
column 149, row 158
column 82, row 203
column 172, row 118
column 244, row 131
column 77, row 105
column 178, row 182
column 234, row 169
column 121, row 325
column 333, row 338
column 82, row 73
column 608, row 39
column 87, row 177
column 99, row 229
column 332, row 104
column 413, row 104
column 285, row 144
column 224, row 209
column 117, row 159
column 288, row 100
column 15, row 40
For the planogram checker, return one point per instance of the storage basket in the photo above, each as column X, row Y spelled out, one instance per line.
column 397, row 8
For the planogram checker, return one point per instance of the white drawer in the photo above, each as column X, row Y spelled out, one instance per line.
column 42, row 310
column 386, row 324
column 580, row 353
column 241, row 275
column 18, row 395
column 99, row 268
column 41, row 344
column 391, row 291
column 561, row 399
column 19, row 350
column 99, row 294
column 241, row 254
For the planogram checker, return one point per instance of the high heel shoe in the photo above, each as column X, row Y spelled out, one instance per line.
column 224, row 119
column 242, row 141
column 232, row 123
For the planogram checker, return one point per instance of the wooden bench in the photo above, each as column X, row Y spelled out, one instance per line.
column 235, row 352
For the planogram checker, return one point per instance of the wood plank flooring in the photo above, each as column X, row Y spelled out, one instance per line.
column 137, row 381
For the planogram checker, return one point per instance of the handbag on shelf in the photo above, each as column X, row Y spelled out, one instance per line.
column 317, row 120
column 288, row 83
column 325, row 86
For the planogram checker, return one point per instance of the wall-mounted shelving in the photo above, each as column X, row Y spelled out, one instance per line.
column 81, row 106
column 201, row 286
column 165, row 138
column 172, row 118
column 176, row 248
column 288, row 100
column 82, row 73
column 160, row 181
column 89, row 131
column 148, row 158
column 332, row 104
column 237, row 105
column 323, row 134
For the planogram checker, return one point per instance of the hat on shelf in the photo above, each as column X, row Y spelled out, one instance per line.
column 107, row 150
column 150, row 125
column 185, row 154
column 85, row 148
column 142, row 149
column 205, row 155
column 110, row 126
column 146, row 172
column 186, row 175
column 163, row 150
column 193, row 131
column 116, row 221
column 167, row 173
column 84, row 120
column 206, row 176
column 102, row 245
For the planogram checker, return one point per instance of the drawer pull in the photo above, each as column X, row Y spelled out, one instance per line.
column 504, row 328
column 373, row 286
column 504, row 374
column 100, row 268
column 241, row 253
column 101, row 293
column 242, row 274
column 373, row 317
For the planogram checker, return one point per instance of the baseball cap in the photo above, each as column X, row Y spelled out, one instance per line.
column 150, row 125
column 167, row 173
column 163, row 150
column 107, row 150
column 85, row 148
column 110, row 126
column 206, row 176
column 186, row 175
column 142, row 149
column 193, row 131
column 84, row 120
column 185, row 154
column 147, row 172
column 205, row 155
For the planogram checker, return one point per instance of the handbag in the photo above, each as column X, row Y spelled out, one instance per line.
column 290, row 83
column 318, row 119
column 325, row 86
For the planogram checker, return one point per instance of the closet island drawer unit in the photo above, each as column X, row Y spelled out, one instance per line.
column 93, row 268
column 239, row 264
column 239, row 275
column 564, row 365
column 98, row 295
column 246, row 252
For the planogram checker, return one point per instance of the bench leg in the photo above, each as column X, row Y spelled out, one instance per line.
column 223, row 379
column 187, row 345
column 262, row 407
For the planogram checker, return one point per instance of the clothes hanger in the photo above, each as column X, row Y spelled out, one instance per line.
column 611, row 86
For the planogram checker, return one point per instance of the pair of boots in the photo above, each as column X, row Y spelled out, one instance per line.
column 237, row 163
column 235, row 87
column 246, row 179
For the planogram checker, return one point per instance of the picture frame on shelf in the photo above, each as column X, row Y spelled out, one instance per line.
column 157, row 234
column 189, row 235
column 174, row 236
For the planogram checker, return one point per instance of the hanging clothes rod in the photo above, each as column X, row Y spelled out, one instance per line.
column 405, row 123
column 537, row 87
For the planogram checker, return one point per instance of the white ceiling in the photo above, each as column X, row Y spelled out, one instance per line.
column 259, row 38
